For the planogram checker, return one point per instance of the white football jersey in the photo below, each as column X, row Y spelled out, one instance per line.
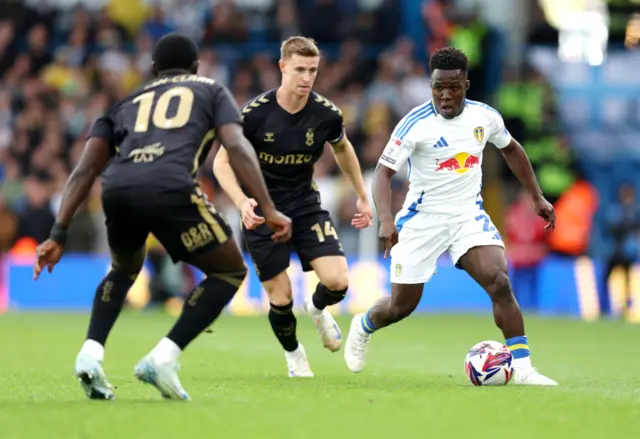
column 444, row 156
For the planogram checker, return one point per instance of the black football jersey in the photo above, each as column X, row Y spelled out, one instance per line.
column 288, row 145
column 162, row 133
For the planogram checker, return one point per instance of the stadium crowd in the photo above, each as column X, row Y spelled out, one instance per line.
column 63, row 67
column 64, row 62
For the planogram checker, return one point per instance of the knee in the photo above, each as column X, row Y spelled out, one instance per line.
column 338, row 282
column 130, row 265
column 129, row 269
column 499, row 288
column 279, row 290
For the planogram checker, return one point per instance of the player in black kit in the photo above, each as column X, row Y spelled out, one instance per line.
column 152, row 143
column 288, row 128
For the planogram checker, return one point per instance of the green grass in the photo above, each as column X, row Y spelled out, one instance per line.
column 414, row 385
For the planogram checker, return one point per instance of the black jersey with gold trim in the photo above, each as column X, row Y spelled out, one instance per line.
column 162, row 133
column 288, row 145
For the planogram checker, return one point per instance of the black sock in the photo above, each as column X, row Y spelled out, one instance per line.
column 324, row 297
column 283, row 322
column 204, row 305
column 107, row 304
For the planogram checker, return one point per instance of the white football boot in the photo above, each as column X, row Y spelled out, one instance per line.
column 530, row 376
column 163, row 376
column 326, row 325
column 297, row 363
column 92, row 378
column 355, row 350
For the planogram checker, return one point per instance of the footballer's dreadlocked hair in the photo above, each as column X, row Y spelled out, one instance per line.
column 449, row 58
column 174, row 51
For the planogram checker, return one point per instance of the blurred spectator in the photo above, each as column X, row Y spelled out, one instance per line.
column 575, row 211
column 8, row 227
column 157, row 25
column 527, row 247
column 225, row 25
column 470, row 35
column 7, row 49
column 35, row 216
column 623, row 221
column 284, row 20
column 322, row 21
column 436, row 16
column 38, row 50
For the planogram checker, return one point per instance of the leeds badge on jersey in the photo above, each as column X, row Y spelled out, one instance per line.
column 478, row 133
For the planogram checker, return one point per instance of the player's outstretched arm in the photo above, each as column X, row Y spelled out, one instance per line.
column 245, row 166
column 518, row 161
column 347, row 160
column 382, row 200
column 95, row 157
column 224, row 174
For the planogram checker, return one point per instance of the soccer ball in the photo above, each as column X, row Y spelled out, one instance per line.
column 489, row 363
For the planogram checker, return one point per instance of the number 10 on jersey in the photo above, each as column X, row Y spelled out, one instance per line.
column 160, row 118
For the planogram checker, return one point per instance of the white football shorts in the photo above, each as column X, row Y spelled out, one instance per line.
column 423, row 237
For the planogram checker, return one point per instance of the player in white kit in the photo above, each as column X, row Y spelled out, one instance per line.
column 442, row 143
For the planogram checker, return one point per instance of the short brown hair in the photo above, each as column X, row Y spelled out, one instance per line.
column 302, row 46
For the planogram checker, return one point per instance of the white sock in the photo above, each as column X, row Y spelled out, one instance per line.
column 294, row 354
column 166, row 351
column 522, row 363
column 311, row 308
column 93, row 349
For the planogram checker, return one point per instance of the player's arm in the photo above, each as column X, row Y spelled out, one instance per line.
column 97, row 153
column 518, row 161
column 347, row 160
column 227, row 178
column 242, row 162
column 236, row 156
column 382, row 192
column 394, row 156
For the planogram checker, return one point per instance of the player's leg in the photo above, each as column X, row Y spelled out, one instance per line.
column 386, row 311
column 225, row 271
column 333, row 276
column 271, row 261
column 413, row 262
column 487, row 265
column 319, row 249
column 196, row 234
column 126, row 237
column 284, row 323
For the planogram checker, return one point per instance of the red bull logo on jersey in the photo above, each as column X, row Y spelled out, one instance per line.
column 460, row 163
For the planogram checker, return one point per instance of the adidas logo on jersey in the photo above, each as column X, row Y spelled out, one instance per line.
column 441, row 143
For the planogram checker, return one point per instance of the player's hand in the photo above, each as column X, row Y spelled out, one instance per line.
column 249, row 217
column 545, row 210
column 47, row 255
column 389, row 235
column 364, row 217
column 280, row 223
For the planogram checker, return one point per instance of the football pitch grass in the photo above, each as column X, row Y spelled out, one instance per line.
column 413, row 386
